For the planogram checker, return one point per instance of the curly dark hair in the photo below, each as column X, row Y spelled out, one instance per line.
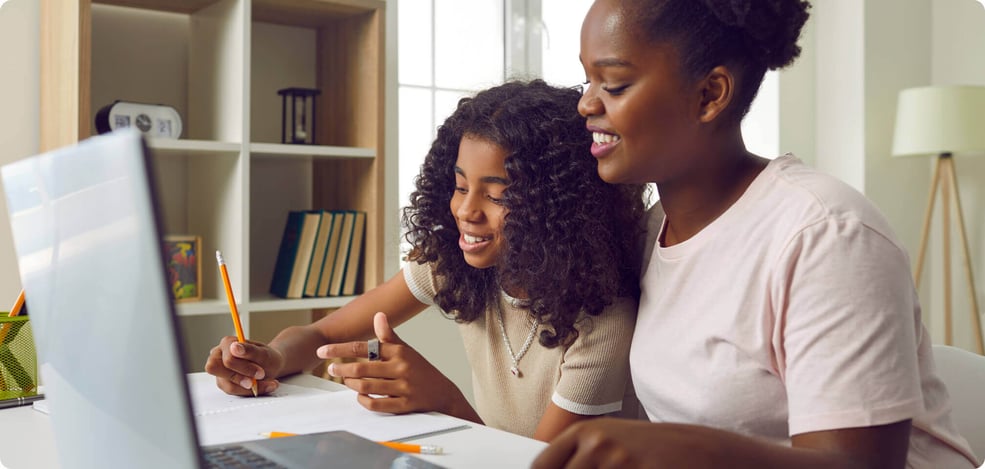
column 748, row 36
column 572, row 240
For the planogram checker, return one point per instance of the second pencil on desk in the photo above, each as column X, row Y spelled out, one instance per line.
column 412, row 448
column 232, row 308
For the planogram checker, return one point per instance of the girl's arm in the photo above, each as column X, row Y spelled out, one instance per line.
column 352, row 322
column 293, row 349
column 555, row 421
column 401, row 381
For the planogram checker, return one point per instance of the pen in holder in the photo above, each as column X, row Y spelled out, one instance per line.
column 18, row 362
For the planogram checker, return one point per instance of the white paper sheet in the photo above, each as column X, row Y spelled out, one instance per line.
column 221, row 418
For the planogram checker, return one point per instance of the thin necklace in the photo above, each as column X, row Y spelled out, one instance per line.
column 515, row 369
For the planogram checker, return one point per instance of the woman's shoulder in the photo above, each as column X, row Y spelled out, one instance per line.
column 815, row 195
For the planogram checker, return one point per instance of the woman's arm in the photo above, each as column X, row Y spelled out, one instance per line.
column 625, row 443
column 293, row 349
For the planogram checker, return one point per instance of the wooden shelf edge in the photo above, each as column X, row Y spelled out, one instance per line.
column 167, row 145
column 203, row 307
column 316, row 151
column 311, row 14
column 211, row 307
column 281, row 304
column 170, row 6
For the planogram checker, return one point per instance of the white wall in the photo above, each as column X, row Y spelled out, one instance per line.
column 864, row 53
column 840, row 64
column 957, row 56
column 19, row 113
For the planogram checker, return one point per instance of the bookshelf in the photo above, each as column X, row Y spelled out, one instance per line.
column 228, row 179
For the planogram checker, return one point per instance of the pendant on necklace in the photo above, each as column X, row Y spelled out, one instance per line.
column 515, row 371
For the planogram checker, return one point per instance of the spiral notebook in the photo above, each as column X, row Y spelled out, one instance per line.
column 85, row 223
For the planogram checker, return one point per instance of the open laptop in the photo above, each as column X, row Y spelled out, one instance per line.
column 86, row 228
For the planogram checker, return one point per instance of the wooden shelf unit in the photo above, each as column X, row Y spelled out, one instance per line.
column 228, row 178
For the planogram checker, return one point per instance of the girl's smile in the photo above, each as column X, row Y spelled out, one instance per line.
column 480, row 180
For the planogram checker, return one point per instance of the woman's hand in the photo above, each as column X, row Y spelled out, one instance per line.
column 236, row 365
column 609, row 442
column 402, row 381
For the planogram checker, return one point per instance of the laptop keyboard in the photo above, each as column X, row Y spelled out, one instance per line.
column 236, row 457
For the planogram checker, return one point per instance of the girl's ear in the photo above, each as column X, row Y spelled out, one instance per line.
column 717, row 90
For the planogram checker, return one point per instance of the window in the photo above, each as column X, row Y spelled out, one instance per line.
column 561, row 40
column 448, row 49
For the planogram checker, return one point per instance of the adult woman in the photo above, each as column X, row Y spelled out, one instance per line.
column 778, row 323
column 514, row 236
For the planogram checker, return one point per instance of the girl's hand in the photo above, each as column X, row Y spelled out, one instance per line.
column 401, row 381
column 235, row 365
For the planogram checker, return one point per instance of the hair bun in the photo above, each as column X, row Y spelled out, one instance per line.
column 770, row 27
column 732, row 12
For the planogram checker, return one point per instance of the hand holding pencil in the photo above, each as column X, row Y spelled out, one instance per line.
column 232, row 308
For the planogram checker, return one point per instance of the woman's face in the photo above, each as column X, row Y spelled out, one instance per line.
column 480, row 179
column 639, row 107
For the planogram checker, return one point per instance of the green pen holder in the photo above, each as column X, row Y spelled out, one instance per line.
column 18, row 360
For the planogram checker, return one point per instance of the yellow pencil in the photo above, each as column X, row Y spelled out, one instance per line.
column 18, row 305
column 232, row 306
column 14, row 311
column 411, row 448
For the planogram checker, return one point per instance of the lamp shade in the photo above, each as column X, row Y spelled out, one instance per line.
column 940, row 119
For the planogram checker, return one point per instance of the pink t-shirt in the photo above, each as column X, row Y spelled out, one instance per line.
column 792, row 312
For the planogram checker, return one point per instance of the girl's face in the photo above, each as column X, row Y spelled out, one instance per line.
column 639, row 106
column 480, row 179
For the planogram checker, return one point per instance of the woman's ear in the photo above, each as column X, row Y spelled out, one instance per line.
column 717, row 91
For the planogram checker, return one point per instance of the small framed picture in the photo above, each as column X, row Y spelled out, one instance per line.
column 184, row 264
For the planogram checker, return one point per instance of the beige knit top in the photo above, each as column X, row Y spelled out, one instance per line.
column 587, row 377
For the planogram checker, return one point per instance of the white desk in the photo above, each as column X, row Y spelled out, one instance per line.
column 27, row 442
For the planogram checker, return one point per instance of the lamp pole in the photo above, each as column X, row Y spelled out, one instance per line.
column 944, row 177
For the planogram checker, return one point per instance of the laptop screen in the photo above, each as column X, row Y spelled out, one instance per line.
column 87, row 237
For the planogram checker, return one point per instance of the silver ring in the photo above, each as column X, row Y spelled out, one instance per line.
column 373, row 349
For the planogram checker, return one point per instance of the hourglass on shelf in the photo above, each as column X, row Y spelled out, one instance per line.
column 297, row 114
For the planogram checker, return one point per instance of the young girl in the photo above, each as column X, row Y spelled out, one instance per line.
column 778, row 322
column 515, row 237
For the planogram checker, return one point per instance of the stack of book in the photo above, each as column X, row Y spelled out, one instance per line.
column 320, row 254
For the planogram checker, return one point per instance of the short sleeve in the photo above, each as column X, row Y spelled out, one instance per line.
column 845, row 332
column 595, row 367
column 420, row 281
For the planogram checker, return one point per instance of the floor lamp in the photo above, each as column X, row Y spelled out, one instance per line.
column 941, row 121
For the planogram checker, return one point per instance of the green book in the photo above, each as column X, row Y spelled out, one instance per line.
column 354, row 259
column 342, row 258
column 294, row 255
column 318, row 253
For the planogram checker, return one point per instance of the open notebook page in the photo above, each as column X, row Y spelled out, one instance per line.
column 221, row 418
